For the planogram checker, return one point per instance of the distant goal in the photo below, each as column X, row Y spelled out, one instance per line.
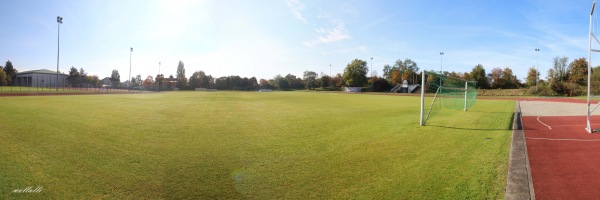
column 444, row 92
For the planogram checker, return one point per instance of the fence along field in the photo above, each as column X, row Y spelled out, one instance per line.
column 51, row 89
column 248, row 144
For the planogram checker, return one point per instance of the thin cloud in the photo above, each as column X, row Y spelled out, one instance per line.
column 362, row 49
column 296, row 8
column 377, row 22
column 328, row 35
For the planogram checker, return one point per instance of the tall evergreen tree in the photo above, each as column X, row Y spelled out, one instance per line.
column 181, row 79
column 10, row 71
column 115, row 78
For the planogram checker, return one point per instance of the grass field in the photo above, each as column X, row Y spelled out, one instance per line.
column 23, row 89
column 292, row 145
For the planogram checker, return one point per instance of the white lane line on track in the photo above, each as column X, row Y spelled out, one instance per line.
column 564, row 139
column 538, row 118
column 583, row 125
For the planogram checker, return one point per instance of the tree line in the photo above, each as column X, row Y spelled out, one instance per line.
column 564, row 78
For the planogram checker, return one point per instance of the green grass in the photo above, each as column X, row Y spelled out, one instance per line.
column 279, row 145
column 23, row 89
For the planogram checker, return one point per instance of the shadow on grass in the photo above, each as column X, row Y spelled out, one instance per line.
column 509, row 126
column 466, row 128
column 491, row 112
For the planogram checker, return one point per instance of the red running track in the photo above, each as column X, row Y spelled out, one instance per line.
column 564, row 158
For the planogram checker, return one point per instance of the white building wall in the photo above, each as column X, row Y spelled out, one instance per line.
column 41, row 80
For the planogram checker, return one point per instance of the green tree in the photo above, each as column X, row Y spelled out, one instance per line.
column 387, row 72
column 454, row 74
column 325, row 81
column 115, row 78
column 578, row 70
column 294, row 82
column 466, row 76
column 510, row 80
column 379, row 84
column 181, row 79
column 74, row 77
column 310, row 78
column 497, row 79
column 478, row 74
column 82, row 75
column 406, row 65
column 3, row 77
column 355, row 74
column 148, row 82
column 402, row 70
column 560, row 68
column 266, row 84
column 160, row 81
column 200, row 80
column 136, row 81
column 10, row 71
column 595, row 80
column 337, row 80
column 92, row 80
column 532, row 76
column 281, row 82
column 252, row 83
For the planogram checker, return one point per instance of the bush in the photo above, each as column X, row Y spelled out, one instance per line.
column 542, row 90
column 379, row 84
column 501, row 92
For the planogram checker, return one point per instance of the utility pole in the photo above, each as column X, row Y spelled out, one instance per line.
column 59, row 21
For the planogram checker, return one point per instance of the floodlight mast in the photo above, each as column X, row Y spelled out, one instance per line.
column 537, row 72
column 59, row 21
column 588, row 127
column 130, row 52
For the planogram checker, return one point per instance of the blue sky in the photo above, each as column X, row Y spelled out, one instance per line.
column 264, row 38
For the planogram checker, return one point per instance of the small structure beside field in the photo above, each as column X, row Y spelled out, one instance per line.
column 40, row 78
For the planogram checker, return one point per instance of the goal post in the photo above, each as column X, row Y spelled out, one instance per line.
column 444, row 92
column 591, row 36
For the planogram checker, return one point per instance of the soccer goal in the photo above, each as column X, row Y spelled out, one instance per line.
column 592, row 86
column 444, row 92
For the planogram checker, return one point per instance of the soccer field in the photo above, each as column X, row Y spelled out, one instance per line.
column 278, row 145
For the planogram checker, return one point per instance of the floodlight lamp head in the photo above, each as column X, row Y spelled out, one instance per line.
column 441, row 53
column 59, row 19
column 131, row 49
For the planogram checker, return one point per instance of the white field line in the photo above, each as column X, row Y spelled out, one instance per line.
column 538, row 118
column 582, row 125
column 565, row 139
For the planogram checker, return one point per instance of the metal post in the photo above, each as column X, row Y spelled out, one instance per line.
column 536, row 69
column 441, row 63
column 421, row 122
column 588, row 127
column 130, row 52
column 59, row 21
column 466, row 89
column 441, row 67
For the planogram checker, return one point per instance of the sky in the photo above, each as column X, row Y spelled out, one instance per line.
column 263, row 38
